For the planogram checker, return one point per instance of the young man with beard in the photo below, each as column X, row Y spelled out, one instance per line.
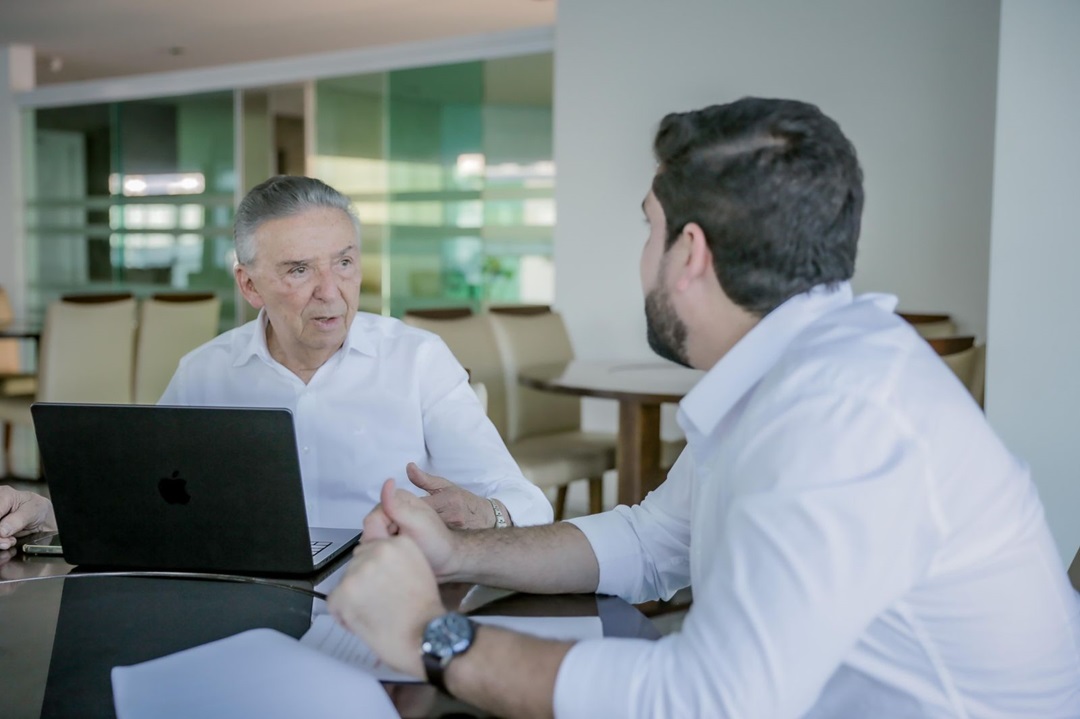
column 859, row 541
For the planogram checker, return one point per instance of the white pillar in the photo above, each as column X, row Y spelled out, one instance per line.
column 16, row 75
column 1033, row 335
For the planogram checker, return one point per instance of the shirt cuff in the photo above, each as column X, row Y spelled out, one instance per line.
column 596, row 676
column 617, row 550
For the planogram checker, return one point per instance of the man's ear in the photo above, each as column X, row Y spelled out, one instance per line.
column 697, row 259
column 247, row 286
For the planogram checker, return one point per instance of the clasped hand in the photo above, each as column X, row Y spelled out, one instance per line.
column 389, row 592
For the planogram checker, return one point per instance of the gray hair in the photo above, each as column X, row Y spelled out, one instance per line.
column 280, row 197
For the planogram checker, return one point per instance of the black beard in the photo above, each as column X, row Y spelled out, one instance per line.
column 664, row 330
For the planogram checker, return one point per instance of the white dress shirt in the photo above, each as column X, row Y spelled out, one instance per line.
column 859, row 542
column 393, row 394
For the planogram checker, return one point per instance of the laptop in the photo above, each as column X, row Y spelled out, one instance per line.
column 213, row 489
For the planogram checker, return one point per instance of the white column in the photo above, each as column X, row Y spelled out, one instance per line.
column 16, row 74
column 1033, row 347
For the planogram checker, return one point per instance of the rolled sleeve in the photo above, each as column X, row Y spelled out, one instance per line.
column 593, row 677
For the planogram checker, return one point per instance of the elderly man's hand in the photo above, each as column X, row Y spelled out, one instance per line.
column 23, row 513
column 458, row 508
column 402, row 512
column 387, row 597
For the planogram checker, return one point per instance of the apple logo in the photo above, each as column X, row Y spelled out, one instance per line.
column 173, row 489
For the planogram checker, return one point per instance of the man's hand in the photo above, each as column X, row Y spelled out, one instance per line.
column 23, row 513
column 402, row 512
column 387, row 597
column 458, row 508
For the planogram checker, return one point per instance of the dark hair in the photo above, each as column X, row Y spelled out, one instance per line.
column 283, row 196
column 776, row 188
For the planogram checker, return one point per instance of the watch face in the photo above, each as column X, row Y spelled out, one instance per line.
column 447, row 635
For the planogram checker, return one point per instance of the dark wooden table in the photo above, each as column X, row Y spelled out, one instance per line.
column 62, row 631
column 640, row 388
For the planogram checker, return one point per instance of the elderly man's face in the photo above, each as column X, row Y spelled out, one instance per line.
column 306, row 273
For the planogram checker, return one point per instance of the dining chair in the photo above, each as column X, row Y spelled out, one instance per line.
column 440, row 313
column 170, row 325
column 967, row 360
column 931, row 325
column 86, row 355
column 13, row 380
column 471, row 339
column 519, row 309
column 544, row 432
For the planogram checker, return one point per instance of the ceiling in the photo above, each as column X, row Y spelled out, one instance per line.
column 84, row 39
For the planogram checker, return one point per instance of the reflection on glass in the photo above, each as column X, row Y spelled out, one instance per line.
column 452, row 173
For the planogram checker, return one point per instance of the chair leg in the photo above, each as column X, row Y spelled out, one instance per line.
column 596, row 495
column 7, row 449
column 560, row 503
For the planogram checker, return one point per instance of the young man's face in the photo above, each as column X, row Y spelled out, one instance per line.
column 666, row 332
column 306, row 273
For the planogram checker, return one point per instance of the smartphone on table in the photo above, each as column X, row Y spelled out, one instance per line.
column 44, row 544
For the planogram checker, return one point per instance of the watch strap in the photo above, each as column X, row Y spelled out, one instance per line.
column 436, row 670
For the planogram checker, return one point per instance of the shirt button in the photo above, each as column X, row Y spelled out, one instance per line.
column 305, row 449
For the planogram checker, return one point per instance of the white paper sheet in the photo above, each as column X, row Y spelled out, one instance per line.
column 334, row 640
column 259, row 673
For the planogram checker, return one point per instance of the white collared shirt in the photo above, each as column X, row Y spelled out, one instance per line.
column 859, row 542
column 393, row 394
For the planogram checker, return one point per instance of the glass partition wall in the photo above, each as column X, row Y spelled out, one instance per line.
column 450, row 168
column 131, row 196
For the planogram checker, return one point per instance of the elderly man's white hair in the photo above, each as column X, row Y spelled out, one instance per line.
column 279, row 197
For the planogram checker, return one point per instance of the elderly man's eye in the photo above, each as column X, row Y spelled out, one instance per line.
column 298, row 270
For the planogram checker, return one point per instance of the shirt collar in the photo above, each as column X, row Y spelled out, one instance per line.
column 701, row 410
column 358, row 340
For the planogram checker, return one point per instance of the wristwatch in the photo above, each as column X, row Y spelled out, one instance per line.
column 445, row 637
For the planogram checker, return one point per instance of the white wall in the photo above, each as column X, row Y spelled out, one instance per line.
column 1034, row 330
column 912, row 83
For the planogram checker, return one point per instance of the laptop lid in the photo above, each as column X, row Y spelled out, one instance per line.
column 179, row 488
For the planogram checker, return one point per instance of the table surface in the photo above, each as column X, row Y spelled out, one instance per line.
column 656, row 381
column 61, row 631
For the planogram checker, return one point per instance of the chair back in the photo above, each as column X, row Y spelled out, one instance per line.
column 969, row 365
column 87, row 352
column 481, row 394
column 471, row 338
column 440, row 313
column 170, row 326
column 931, row 325
column 950, row 345
column 529, row 340
column 9, row 348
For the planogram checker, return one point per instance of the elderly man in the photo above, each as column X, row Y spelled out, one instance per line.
column 859, row 542
column 371, row 397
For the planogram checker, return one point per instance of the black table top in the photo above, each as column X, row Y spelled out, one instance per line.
column 62, row 631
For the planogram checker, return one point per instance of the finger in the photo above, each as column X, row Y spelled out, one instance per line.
column 423, row 480
column 18, row 521
column 377, row 525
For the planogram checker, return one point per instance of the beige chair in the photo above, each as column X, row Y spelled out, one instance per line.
column 967, row 360
column 170, row 326
column 13, row 380
column 87, row 352
column 544, row 433
column 471, row 338
column 481, row 393
column 931, row 325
